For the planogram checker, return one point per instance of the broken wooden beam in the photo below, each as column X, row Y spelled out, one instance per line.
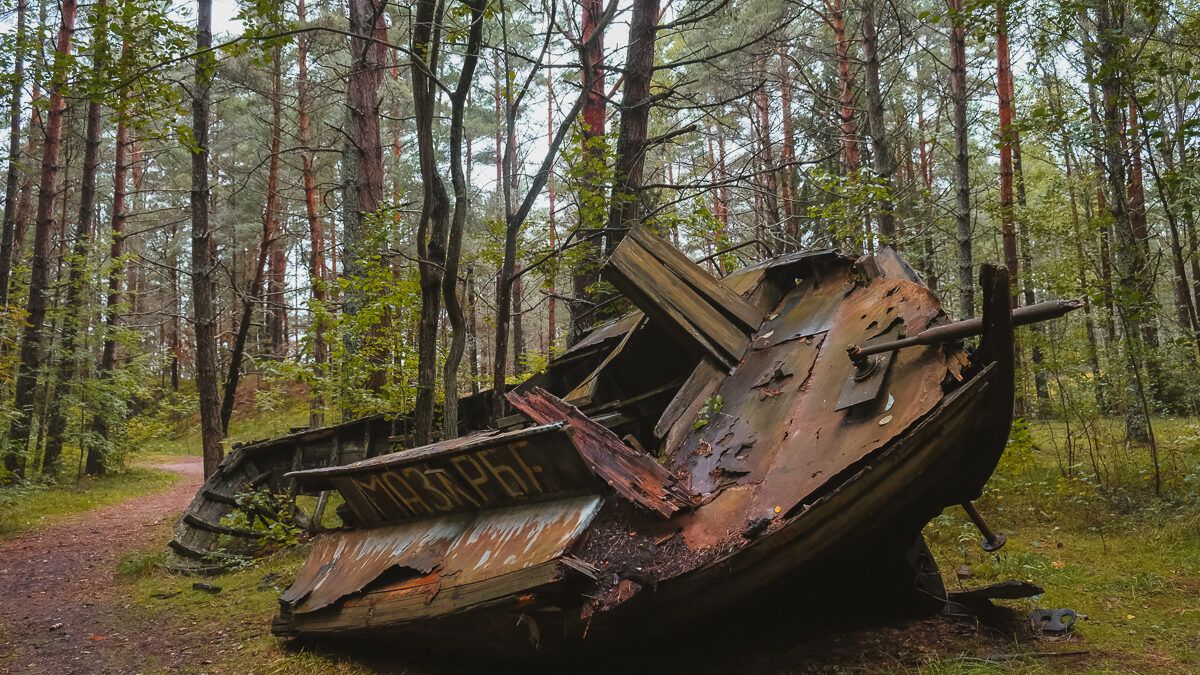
column 688, row 303
column 632, row 474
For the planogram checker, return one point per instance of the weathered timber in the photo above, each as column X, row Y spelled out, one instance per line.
column 722, row 298
column 703, row 378
column 634, row 475
column 691, row 317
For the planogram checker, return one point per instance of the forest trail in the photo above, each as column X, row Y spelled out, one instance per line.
column 58, row 613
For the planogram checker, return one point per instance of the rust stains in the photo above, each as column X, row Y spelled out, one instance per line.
column 632, row 474
column 439, row 553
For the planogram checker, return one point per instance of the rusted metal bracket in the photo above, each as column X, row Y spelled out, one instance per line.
column 1042, row 311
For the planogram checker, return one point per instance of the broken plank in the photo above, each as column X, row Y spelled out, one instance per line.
column 698, row 310
column 700, row 379
column 672, row 322
column 583, row 394
column 728, row 302
column 633, row 475
column 670, row 300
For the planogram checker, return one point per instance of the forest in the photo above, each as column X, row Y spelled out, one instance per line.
column 360, row 207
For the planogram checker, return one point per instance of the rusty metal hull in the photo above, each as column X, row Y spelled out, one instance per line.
column 767, row 476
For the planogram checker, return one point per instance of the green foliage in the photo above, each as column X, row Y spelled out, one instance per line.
column 848, row 204
column 711, row 408
column 372, row 343
column 262, row 511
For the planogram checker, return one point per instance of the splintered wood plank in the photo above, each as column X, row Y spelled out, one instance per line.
column 701, row 379
column 676, row 301
column 672, row 322
column 633, row 475
column 728, row 302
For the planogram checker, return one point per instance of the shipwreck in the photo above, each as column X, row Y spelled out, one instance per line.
column 724, row 439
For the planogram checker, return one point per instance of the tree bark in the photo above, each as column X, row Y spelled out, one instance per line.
column 836, row 18
column 552, row 274
column 635, row 120
column 203, row 249
column 276, row 258
column 267, row 248
column 39, row 283
column 362, row 152
column 881, row 154
column 12, row 181
column 768, row 181
column 112, row 314
column 316, row 231
column 1004, row 91
column 962, row 174
column 591, row 222
column 435, row 213
column 458, row 221
column 787, row 154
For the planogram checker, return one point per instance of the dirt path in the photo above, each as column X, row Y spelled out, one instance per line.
column 57, row 614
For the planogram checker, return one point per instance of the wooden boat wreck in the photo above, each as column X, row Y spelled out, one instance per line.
column 727, row 438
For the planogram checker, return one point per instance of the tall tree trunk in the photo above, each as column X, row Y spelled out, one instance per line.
column 316, row 230
column 362, row 154
column 12, row 182
column 768, row 182
column 276, row 259
column 836, row 18
column 1106, row 258
column 112, row 314
column 787, row 154
column 552, row 274
column 203, row 247
column 472, row 324
column 1183, row 297
column 1004, row 91
column 458, row 222
column 591, row 218
column 925, row 156
column 1143, row 270
column 435, row 213
column 881, row 154
column 1024, row 240
column 74, row 317
column 518, row 318
column 1132, row 300
column 962, row 174
column 635, row 120
column 39, row 283
column 1081, row 268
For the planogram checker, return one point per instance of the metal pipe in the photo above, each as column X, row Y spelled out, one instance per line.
column 991, row 540
column 1042, row 311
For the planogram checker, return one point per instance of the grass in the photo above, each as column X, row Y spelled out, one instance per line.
column 265, row 415
column 1127, row 561
column 36, row 505
column 238, row 616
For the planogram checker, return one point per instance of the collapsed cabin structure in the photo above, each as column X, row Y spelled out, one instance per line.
column 726, row 437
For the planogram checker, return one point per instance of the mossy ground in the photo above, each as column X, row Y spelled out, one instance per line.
column 36, row 505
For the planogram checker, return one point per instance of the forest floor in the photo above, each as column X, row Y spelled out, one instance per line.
column 88, row 593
